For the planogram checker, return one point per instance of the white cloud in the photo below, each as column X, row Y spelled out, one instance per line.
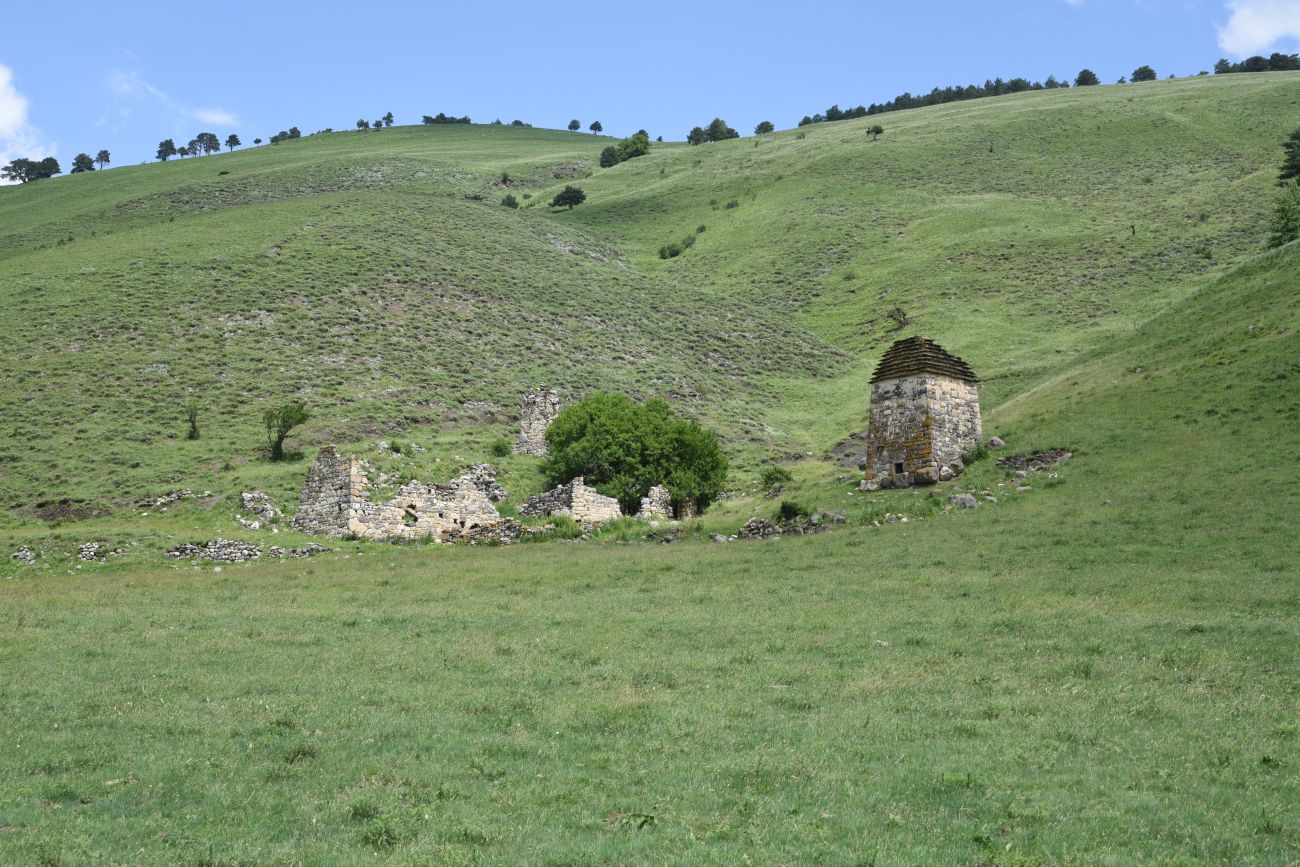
column 18, row 138
column 1256, row 26
column 129, row 85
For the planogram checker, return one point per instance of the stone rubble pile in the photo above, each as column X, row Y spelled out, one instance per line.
column 764, row 528
column 305, row 551
column 1037, row 462
column 258, row 503
column 24, row 555
column 90, row 552
column 234, row 551
column 481, row 478
column 168, row 499
column 220, row 550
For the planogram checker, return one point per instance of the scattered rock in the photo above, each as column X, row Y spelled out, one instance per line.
column 90, row 552
column 1036, row 462
column 720, row 539
column 24, row 555
column 996, row 442
column 946, row 474
column 167, row 499
column 963, row 501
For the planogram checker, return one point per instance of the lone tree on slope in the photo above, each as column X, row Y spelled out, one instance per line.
column 232, row 142
column 1291, row 163
column 1086, row 78
column 1143, row 73
column 575, row 125
column 876, row 131
column 166, row 148
column 764, row 127
column 596, row 127
column 82, row 163
column 278, row 424
column 568, row 197
column 103, row 158
column 388, row 119
column 363, row 124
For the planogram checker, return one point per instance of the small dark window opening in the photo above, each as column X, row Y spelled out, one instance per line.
column 898, row 467
column 408, row 516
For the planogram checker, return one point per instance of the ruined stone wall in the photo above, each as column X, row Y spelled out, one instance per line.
column 583, row 504
column 332, row 484
column 540, row 407
column 422, row 511
column 923, row 423
column 657, row 504
column 336, row 502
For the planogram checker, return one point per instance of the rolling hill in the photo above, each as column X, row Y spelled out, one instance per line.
column 1098, row 670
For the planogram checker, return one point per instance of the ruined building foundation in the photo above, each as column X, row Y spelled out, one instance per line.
column 336, row 502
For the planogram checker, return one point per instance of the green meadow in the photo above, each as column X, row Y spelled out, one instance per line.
column 1104, row 669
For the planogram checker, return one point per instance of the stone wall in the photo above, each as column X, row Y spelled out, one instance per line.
column 332, row 484
column 919, row 426
column 657, row 504
column 540, row 407
column 583, row 504
column 336, row 502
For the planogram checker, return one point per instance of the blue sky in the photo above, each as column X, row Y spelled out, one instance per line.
column 125, row 75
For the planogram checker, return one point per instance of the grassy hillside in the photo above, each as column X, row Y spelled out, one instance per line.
column 1098, row 670
column 351, row 271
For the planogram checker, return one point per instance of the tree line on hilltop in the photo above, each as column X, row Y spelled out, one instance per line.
column 24, row 170
column 1000, row 87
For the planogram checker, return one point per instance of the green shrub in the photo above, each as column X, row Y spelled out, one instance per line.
column 774, row 476
column 623, row 448
column 633, row 146
column 499, row 448
column 509, row 201
column 974, row 455
column 668, row 251
column 789, row 510
column 1286, row 218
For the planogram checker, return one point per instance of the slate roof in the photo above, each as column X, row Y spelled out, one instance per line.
column 919, row 355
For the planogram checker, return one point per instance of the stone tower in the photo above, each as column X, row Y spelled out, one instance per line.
column 540, row 407
column 925, row 413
